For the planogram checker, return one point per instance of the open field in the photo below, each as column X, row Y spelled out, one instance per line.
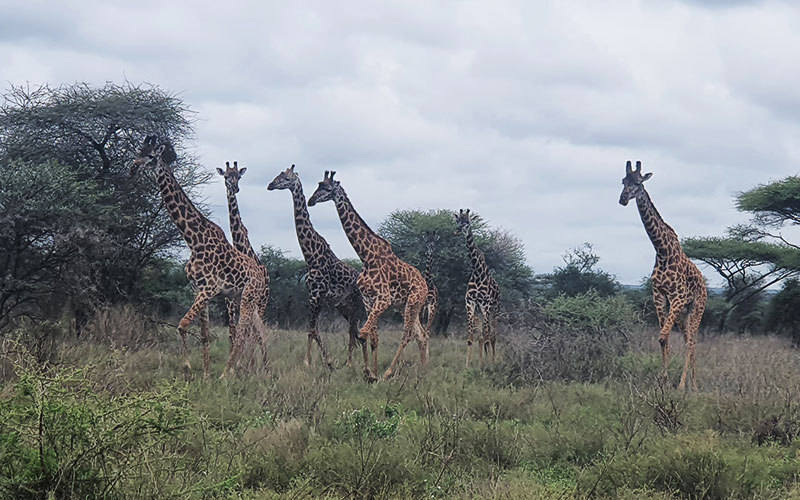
column 122, row 422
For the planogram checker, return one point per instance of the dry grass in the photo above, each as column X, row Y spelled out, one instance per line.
column 444, row 431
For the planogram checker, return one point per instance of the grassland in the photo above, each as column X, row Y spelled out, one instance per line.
column 104, row 420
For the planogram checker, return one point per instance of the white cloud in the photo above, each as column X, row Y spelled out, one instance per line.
column 524, row 111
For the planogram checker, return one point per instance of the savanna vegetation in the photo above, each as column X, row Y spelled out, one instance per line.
column 94, row 402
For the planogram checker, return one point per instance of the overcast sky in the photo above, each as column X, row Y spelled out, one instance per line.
column 523, row 111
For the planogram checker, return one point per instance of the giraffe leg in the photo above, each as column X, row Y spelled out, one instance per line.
column 662, row 307
column 683, row 325
column 199, row 305
column 662, row 311
column 248, row 323
column 423, row 342
column 486, row 330
column 313, row 335
column 692, row 327
column 410, row 322
column 350, row 313
column 261, row 339
column 492, row 334
column 233, row 317
column 472, row 321
column 206, row 340
column 370, row 331
column 675, row 310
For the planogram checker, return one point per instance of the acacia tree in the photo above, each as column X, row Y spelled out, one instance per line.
column 757, row 255
column 505, row 256
column 84, row 137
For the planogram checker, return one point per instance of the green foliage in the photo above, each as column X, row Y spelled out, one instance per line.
column 718, row 251
column 288, row 297
column 579, row 275
column 783, row 312
column 593, row 312
column 505, row 256
column 754, row 256
column 163, row 287
column 118, row 425
column 774, row 204
column 700, row 466
column 363, row 423
column 51, row 237
column 60, row 438
column 86, row 137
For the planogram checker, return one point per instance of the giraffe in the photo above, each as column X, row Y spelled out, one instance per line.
column 385, row 280
column 241, row 242
column 432, row 299
column 679, row 290
column 328, row 278
column 483, row 294
column 214, row 266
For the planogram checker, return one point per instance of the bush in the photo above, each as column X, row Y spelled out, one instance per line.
column 694, row 467
column 60, row 438
column 593, row 313
column 577, row 338
column 783, row 313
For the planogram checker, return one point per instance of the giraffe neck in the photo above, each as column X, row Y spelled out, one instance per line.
column 475, row 255
column 662, row 236
column 239, row 234
column 428, row 275
column 368, row 245
column 190, row 221
column 310, row 240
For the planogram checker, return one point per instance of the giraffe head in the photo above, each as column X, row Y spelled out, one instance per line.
column 232, row 176
column 463, row 218
column 430, row 238
column 328, row 189
column 151, row 152
column 287, row 179
column 632, row 182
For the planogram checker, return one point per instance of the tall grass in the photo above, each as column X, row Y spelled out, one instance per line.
column 101, row 419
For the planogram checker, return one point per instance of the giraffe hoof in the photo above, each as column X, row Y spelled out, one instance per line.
column 370, row 378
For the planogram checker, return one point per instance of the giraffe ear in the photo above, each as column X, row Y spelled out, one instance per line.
column 647, row 176
column 242, row 171
column 220, row 172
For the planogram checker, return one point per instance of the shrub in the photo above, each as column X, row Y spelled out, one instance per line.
column 578, row 338
column 60, row 438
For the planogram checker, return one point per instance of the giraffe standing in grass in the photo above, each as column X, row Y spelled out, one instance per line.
column 679, row 290
column 432, row 300
column 214, row 267
column 384, row 281
column 328, row 278
column 240, row 241
column 483, row 294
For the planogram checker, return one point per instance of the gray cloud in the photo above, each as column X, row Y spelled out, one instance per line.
column 523, row 111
